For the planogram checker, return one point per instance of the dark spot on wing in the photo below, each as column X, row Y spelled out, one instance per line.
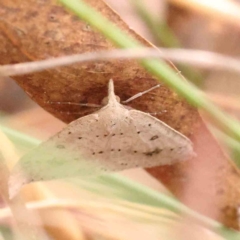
column 100, row 152
column 123, row 164
column 154, row 137
column 113, row 134
column 138, row 132
column 69, row 132
column 155, row 151
column 79, row 137
column 149, row 124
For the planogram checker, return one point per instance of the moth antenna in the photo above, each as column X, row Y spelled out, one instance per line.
column 75, row 104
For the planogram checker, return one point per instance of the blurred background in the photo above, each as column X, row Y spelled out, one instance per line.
column 191, row 24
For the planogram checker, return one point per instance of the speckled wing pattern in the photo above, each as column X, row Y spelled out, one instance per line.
column 121, row 138
column 112, row 139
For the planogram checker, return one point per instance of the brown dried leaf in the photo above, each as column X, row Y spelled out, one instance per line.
column 42, row 30
column 33, row 30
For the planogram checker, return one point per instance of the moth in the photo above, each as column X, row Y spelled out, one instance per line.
column 113, row 138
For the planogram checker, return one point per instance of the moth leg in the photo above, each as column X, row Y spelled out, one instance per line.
column 140, row 94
